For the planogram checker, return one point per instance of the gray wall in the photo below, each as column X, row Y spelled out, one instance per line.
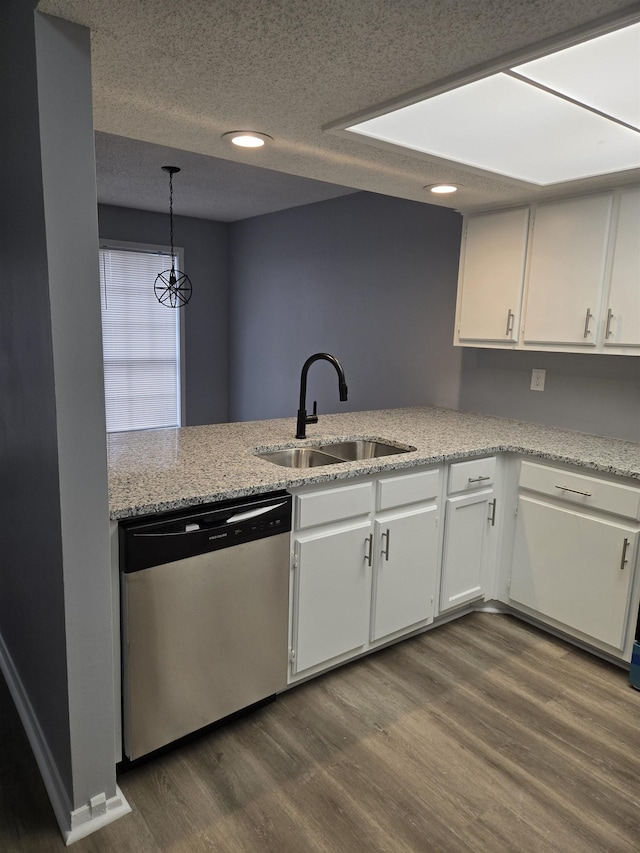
column 372, row 279
column 55, row 609
column 206, row 317
column 369, row 278
column 599, row 394
column 32, row 624
column 71, row 222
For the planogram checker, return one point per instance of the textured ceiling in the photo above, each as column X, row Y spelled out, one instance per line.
column 180, row 73
column 129, row 174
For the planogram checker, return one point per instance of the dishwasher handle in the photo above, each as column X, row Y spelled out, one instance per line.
column 189, row 526
column 253, row 513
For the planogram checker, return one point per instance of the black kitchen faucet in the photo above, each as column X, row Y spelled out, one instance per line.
column 303, row 418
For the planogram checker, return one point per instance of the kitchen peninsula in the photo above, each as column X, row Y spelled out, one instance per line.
column 473, row 512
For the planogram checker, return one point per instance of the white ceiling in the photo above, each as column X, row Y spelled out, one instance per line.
column 180, row 73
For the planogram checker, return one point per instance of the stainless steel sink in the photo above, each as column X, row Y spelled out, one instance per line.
column 362, row 448
column 299, row 457
column 331, row 454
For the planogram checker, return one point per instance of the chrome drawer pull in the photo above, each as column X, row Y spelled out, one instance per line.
column 510, row 318
column 587, row 320
column 368, row 556
column 575, row 491
column 385, row 550
column 624, row 561
column 608, row 332
column 492, row 517
column 478, row 479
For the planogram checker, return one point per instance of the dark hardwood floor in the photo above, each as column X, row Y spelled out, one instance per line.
column 482, row 735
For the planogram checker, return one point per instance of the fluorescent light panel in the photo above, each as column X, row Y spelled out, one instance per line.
column 506, row 125
column 603, row 73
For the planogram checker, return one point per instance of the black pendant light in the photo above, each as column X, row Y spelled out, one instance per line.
column 172, row 287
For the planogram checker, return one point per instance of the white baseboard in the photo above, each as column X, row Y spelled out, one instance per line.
column 95, row 815
column 74, row 823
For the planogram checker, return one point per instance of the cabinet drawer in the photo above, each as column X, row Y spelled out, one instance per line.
column 474, row 474
column 581, row 489
column 408, row 489
column 327, row 505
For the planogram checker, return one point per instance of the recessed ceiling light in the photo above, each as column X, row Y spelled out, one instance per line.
column 442, row 189
column 247, row 138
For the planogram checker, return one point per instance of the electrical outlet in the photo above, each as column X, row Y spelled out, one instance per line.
column 537, row 379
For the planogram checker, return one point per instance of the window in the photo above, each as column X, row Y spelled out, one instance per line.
column 141, row 340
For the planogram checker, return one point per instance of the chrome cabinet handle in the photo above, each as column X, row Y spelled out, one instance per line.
column 575, row 491
column 369, row 555
column 510, row 318
column 587, row 320
column 385, row 550
column 624, row 561
column 492, row 517
column 608, row 332
column 478, row 479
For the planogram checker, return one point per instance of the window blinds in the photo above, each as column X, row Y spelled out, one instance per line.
column 141, row 342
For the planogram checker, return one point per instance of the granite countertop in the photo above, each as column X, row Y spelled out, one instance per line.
column 166, row 469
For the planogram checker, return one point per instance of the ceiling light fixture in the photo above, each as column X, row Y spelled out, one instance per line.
column 247, row 138
column 565, row 116
column 442, row 189
column 172, row 287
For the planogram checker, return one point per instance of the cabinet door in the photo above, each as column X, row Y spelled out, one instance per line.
column 405, row 571
column 569, row 566
column 622, row 321
column 492, row 273
column 332, row 595
column 566, row 271
column 467, row 525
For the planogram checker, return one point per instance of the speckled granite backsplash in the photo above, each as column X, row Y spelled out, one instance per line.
column 160, row 470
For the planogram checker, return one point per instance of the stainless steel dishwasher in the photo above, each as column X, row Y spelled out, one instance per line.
column 204, row 616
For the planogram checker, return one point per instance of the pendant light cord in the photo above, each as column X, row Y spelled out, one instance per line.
column 171, row 220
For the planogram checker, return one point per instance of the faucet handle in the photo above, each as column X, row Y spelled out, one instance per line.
column 313, row 417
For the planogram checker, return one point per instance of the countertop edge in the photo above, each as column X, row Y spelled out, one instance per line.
column 358, row 469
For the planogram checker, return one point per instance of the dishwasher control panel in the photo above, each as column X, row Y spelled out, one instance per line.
column 154, row 540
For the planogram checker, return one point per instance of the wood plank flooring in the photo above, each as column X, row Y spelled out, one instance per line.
column 482, row 735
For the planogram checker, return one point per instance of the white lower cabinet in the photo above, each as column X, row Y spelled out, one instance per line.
column 466, row 541
column 470, row 513
column 575, row 547
column 405, row 569
column 365, row 564
column 368, row 556
column 333, row 587
column 571, row 568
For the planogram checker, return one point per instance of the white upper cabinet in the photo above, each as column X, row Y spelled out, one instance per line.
column 562, row 276
column 566, row 271
column 622, row 308
column 491, row 276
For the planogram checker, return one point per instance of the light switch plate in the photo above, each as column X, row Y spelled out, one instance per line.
column 537, row 379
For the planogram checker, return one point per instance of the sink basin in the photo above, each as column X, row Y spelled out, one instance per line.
column 362, row 448
column 331, row 454
column 299, row 457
